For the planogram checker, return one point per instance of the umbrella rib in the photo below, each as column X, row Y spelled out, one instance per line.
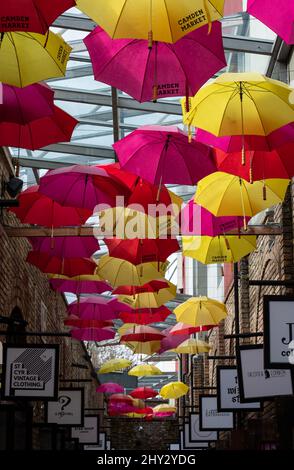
column 118, row 20
column 145, row 72
column 226, row 107
column 17, row 58
column 168, row 18
column 259, row 115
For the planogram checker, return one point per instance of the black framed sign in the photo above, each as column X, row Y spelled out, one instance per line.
column 228, row 394
column 256, row 382
column 185, row 440
column 195, row 435
column 101, row 444
column 68, row 410
column 210, row 418
column 89, row 433
column 30, row 372
column 278, row 317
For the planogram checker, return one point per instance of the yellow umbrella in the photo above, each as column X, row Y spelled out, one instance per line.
column 150, row 299
column 28, row 58
column 164, row 408
column 119, row 272
column 138, row 403
column 220, row 249
column 125, row 327
column 161, row 20
column 142, row 370
column 113, row 365
column 134, row 415
column 201, row 311
column 148, row 347
column 192, row 346
column 174, row 390
column 225, row 194
column 240, row 104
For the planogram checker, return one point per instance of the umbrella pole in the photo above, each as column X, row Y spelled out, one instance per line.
column 207, row 12
column 150, row 32
column 155, row 86
column 241, row 93
column 243, row 206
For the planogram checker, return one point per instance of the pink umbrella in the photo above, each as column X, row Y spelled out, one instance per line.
column 163, row 154
column 93, row 334
column 234, row 143
column 110, row 387
column 278, row 15
column 183, row 329
column 66, row 247
column 81, row 186
column 96, row 308
column 196, row 220
column 166, row 70
column 17, row 103
column 171, row 341
column 77, row 285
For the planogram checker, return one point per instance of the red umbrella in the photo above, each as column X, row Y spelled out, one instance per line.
column 66, row 247
column 144, row 393
column 152, row 286
column 96, row 308
column 259, row 165
column 120, row 398
column 80, row 285
column 34, row 135
column 66, row 266
column 36, row 208
column 93, row 334
column 138, row 251
column 31, row 15
column 183, row 329
column 145, row 316
column 84, row 323
column 142, row 334
column 125, row 177
column 145, row 193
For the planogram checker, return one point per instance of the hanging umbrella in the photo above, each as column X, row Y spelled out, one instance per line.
column 142, row 334
column 120, row 272
column 93, row 334
column 121, row 398
column 35, row 208
column 145, row 316
column 31, row 15
column 162, row 154
column 80, row 285
column 164, row 408
column 174, row 390
column 81, row 186
column 114, row 365
column 196, row 220
column 152, row 286
column 126, row 178
column 116, row 408
column 75, row 322
column 166, row 70
column 34, row 135
column 143, row 300
column 170, row 342
column 192, row 346
column 95, row 308
column 144, row 393
column 163, row 20
column 17, row 106
column 183, row 329
column 147, row 347
column 224, row 194
column 55, row 265
column 278, row 15
column 220, row 249
column 201, row 311
column 142, row 370
column 28, row 58
column 110, row 387
column 125, row 327
column 65, row 247
column 138, row 251
column 259, row 165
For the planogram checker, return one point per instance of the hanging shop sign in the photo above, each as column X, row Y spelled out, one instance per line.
column 278, row 315
column 195, row 435
column 89, row 433
column 101, row 445
column 210, row 418
column 257, row 382
column 228, row 394
column 187, row 444
column 30, row 372
column 68, row 409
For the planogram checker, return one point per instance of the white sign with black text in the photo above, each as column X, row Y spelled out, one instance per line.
column 68, row 409
column 228, row 396
column 89, row 433
column 212, row 419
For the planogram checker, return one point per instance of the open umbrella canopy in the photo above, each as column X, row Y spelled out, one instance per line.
column 92, row 334
column 138, row 251
column 142, row 370
column 144, row 300
column 55, row 265
column 121, row 398
column 174, row 390
column 144, row 393
column 192, row 346
column 201, row 311
column 224, row 194
column 36, row 208
column 83, row 284
column 126, row 178
column 17, row 106
column 57, row 127
column 162, row 154
column 163, row 20
column 278, row 15
column 95, row 308
column 28, row 58
column 170, row 342
column 164, row 408
column 142, row 334
column 110, row 387
column 145, row 316
column 220, row 249
column 31, row 15
column 152, row 286
column 183, row 329
column 139, row 347
column 120, row 272
column 114, row 365
column 166, row 70
column 66, row 247
column 76, row 322
column 81, row 186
